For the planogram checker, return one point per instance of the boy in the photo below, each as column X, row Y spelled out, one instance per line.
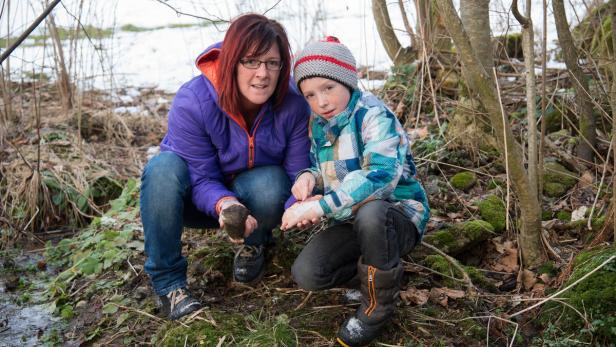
column 362, row 164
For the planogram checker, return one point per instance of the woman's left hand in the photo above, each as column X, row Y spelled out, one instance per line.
column 301, row 213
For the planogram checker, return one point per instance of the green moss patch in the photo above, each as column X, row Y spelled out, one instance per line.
column 464, row 180
column 492, row 210
column 595, row 296
column 460, row 237
column 557, row 179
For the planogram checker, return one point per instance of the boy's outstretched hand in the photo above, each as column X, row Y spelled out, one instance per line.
column 303, row 186
column 302, row 214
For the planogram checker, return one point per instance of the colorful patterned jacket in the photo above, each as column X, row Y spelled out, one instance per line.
column 362, row 154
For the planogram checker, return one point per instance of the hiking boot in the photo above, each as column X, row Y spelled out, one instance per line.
column 379, row 292
column 178, row 303
column 249, row 264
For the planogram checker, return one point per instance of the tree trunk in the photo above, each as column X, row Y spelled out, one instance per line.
column 613, row 104
column 64, row 84
column 483, row 85
column 398, row 54
column 529, row 63
column 476, row 21
column 586, row 122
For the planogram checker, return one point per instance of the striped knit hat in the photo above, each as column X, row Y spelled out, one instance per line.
column 327, row 58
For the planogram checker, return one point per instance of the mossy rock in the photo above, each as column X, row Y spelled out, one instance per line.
column 439, row 264
column 553, row 119
column 492, row 210
column 460, row 237
column 464, row 180
column 595, row 295
column 557, row 179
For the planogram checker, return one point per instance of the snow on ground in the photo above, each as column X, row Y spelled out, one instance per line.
column 164, row 58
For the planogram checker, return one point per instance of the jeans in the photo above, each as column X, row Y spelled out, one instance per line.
column 167, row 207
column 380, row 233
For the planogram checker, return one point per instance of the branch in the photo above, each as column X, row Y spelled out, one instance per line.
column 180, row 13
column 516, row 13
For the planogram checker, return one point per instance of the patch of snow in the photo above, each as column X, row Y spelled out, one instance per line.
column 153, row 151
column 108, row 222
column 579, row 214
column 354, row 326
column 352, row 295
column 127, row 109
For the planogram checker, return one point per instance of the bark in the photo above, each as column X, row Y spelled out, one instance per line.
column 64, row 85
column 613, row 105
column 397, row 53
column 476, row 21
column 483, row 86
column 529, row 63
column 586, row 123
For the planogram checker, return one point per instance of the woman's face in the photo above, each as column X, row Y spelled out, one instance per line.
column 258, row 85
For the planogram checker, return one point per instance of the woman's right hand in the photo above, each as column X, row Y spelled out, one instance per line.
column 303, row 186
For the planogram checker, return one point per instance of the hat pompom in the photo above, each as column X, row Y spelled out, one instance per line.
column 331, row 39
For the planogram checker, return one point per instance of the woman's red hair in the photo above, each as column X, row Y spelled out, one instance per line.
column 252, row 34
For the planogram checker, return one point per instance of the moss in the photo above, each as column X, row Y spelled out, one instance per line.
column 564, row 216
column 464, row 180
column 557, row 179
column 546, row 215
column 492, row 210
column 554, row 189
column 460, row 237
column 547, row 268
column 595, row 295
column 440, row 264
column 553, row 118
column 201, row 332
column 495, row 183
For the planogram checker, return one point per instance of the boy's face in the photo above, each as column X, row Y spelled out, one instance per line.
column 326, row 97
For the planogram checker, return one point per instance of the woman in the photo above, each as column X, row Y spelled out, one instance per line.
column 237, row 136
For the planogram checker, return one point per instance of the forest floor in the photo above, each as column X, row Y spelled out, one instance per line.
column 84, row 262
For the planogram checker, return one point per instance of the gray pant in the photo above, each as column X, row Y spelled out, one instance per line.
column 380, row 233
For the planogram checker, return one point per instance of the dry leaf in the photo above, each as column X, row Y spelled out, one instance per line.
column 547, row 279
column 453, row 293
column 438, row 296
column 509, row 262
column 418, row 134
column 528, row 279
column 539, row 289
column 414, row 296
column 579, row 214
column 586, row 180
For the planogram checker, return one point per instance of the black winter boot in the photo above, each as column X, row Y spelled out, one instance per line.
column 379, row 292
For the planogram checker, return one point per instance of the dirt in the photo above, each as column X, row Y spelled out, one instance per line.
column 234, row 219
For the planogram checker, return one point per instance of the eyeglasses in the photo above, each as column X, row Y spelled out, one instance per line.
column 253, row 64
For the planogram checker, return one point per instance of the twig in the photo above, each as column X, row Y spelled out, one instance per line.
column 180, row 13
column 505, row 147
column 303, row 303
column 565, row 289
column 452, row 261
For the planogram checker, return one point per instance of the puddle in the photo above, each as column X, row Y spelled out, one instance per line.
column 23, row 325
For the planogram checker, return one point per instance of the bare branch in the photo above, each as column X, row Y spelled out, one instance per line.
column 516, row 13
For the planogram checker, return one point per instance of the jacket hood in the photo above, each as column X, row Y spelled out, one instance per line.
column 207, row 62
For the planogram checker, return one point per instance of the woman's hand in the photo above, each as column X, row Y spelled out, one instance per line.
column 302, row 214
column 303, row 186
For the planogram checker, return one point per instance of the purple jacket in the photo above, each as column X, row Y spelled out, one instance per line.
column 216, row 147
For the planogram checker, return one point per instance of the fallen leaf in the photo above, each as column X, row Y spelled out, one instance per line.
column 528, row 279
column 579, row 214
column 539, row 289
column 586, row 180
column 418, row 134
column 453, row 293
column 414, row 296
column 438, row 296
column 545, row 278
column 508, row 262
